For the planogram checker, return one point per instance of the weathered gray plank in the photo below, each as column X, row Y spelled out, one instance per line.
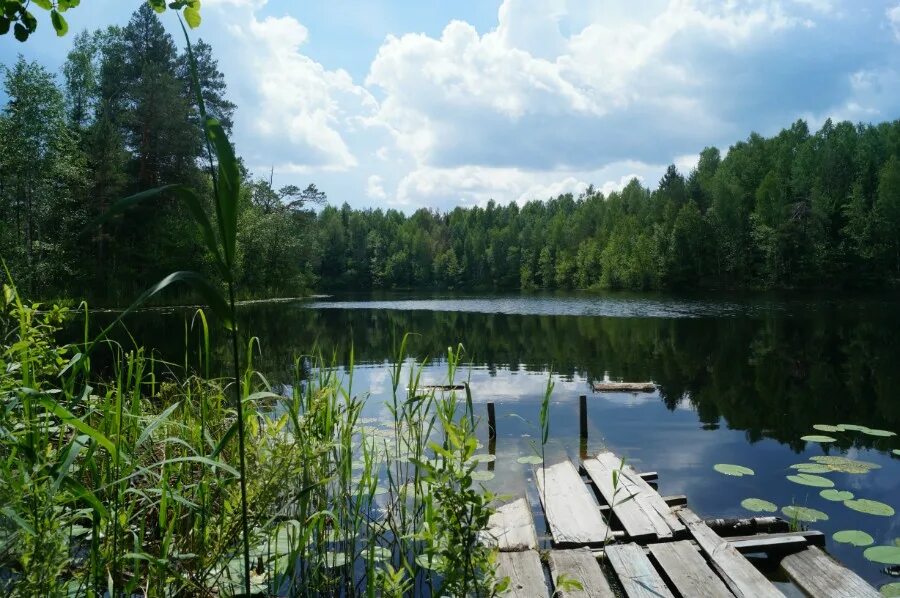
column 780, row 542
column 572, row 513
column 818, row 574
column 688, row 571
column 739, row 574
column 637, row 574
column 581, row 565
column 646, row 515
column 511, row 528
column 526, row 576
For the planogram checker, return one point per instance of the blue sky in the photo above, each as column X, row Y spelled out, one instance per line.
column 435, row 103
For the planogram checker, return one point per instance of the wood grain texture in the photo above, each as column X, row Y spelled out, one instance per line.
column 526, row 575
column 818, row 574
column 739, row 574
column 636, row 573
column 687, row 570
column 581, row 565
column 511, row 528
column 572, row 513
column 641, row 510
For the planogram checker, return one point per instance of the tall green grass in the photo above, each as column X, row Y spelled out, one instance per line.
column 126, row 482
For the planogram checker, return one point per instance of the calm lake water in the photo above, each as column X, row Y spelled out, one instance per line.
column 740, row 380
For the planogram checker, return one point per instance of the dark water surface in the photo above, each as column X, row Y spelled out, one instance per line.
column 740, row 381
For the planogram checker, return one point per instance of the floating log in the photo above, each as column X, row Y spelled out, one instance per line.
column 624, row 387
column 443, row 387
column 746, row 526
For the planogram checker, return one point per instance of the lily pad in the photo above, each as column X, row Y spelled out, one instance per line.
column 836, row 495
column 335, row 559
column 808, row 479
column 890, row 590
column 435, row 563
column 482, row 476
column 874, row 432
column 804, row 514
column 854, row 537
column 826, row 428
column 896, row 452
column 811, row 467
column 483, row 458
column 380, row 553
column 530, row 460
column 886, row 555
column 758, row 505
column 817, row 438
column 851, row 428
column 734, row 470
column 844, row 464
column 870, row 507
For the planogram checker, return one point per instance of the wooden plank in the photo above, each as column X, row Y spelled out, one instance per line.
column 572, row 513
column 511, row 528
column 739, row 574
column 526, row 575
column 780, row 542
column 687, row 570
column 637, row 574
column 818, row 574
column 624, row 386
column 581, row 565
column 646, row 515
column 675, row 500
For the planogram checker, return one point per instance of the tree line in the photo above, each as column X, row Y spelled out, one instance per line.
column 798, row 209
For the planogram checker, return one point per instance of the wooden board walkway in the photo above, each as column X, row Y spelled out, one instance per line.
column 581, row 565
column 664, row 551
column 687, row 570
column 572, row 513
column 641, row 510
column 818, row 574
column 511, row 528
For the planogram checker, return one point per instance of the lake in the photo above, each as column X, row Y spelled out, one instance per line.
column 740, row 380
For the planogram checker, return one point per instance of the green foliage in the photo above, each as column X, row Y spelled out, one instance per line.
column 14, row 13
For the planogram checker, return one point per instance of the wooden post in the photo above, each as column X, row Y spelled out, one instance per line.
column 492, row 422
column 582, row 423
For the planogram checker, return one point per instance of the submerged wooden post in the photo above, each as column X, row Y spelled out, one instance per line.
column 582, row 424
column 492, row 422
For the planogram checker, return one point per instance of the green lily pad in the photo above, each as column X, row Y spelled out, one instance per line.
column 890, row 590
column 854, row 537
column 482, row 476
column 734, row 470
column 886, row 555
column 808, row 479
column 836, row 495
column 844, row 464
column 380, row 553
column 804, row 514
column 896, row 452
column 811, row 467
column 758, row 505
column 483, row 458
column 530, row 460
column 870, row 507
column 851, row 428
column 435, row 563
column 335, row 559
column 874, row 432
column 817, row 438
column 826, row 428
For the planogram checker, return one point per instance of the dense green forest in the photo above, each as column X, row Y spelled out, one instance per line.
column 799, row 209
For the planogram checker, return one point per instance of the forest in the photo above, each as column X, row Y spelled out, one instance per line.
column 801, row 209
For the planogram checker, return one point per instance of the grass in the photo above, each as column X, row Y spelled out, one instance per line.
column 128, row 483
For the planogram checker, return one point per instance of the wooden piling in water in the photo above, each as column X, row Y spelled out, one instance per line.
column 582, row 426
column 492, row 422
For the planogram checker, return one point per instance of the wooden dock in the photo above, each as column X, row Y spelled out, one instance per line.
column 623, row 538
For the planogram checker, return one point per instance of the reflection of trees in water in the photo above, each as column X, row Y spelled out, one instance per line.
column 773, row 375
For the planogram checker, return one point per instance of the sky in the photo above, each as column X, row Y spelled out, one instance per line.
column 431, row 103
